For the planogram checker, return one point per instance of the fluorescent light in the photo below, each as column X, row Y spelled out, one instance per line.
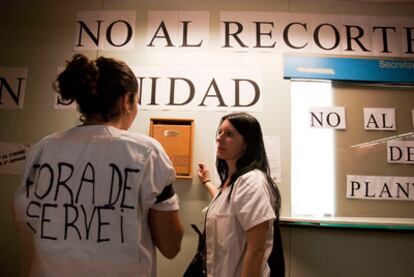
column 312, row 159
column 316, row 70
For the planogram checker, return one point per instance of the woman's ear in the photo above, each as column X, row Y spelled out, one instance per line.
column 126, row 104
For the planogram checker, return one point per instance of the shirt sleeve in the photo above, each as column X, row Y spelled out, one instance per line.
column 251, row 200
column 158, row 175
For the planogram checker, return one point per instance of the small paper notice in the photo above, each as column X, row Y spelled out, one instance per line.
column 272, row 146
column 12, row 156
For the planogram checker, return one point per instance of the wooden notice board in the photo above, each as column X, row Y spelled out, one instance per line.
column 371, row 160
column 176, row 136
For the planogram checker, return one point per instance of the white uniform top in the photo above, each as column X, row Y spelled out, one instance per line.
column 228, row 219
column 85, row 196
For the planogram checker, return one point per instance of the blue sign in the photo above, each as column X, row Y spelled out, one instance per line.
column 396, row 71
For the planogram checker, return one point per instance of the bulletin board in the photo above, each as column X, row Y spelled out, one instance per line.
column 370, row 160
column 366, row 89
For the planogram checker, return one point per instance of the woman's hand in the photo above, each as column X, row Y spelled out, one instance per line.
column 205, row 179
column 203, row 173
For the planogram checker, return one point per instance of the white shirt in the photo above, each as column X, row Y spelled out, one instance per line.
column 228, row 219
column 85, row 196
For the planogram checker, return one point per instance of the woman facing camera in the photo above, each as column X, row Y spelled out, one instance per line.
column 242, row 232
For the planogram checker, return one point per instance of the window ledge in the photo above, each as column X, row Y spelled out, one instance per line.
column 371, row 223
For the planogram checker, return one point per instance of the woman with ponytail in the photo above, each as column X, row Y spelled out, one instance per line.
column 96, row 200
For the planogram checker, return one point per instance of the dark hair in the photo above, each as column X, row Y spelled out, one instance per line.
column 96, row 86
column 255, row 155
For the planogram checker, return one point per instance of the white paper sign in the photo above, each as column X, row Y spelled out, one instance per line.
column 315, row 33
column 400, row 151
column 379, row 119
column 199, row 88
column 12, row 87
column 380, row 187
column 178, row 29
column 105, row 30
column 194, row 88
column 12, row 156
column 272, row 146
column 327, row 117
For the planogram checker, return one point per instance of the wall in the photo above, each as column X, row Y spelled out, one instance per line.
column 316, row 252
column 40, row 35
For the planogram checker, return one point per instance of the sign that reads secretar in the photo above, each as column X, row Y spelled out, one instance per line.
column 393, row 71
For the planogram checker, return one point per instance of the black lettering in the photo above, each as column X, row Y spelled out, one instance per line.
column 410, row 40
column 90, row 179
column 354, row 186
column 164, row 35
column 122, row 228
column 406, row 191
column 63, row 102
column 336, row 37
column 237, row 93
column 117, row 172
column 32, row 215
column 44, row 219
column 140, row 84
column 88, row 224
column 128, row 33
column 172, row 91
column 399, row 153
column 213, row 85
column 367, row 191
column 356, row 38
column 102, row 223
column 29, row 182
column 410, row 153
column 286, row 35
column 315, row 117
column 384, row 123
column 185, row 36
column 235, row 34
column 94, row 38
column 384, row 37
column 49, row 174
column 15, row 96
column 386, row 190
column 395, row 156
column 63, row 182
column 153, row 90
column 338, row 119
column 72, row 223
column 371, row 120
column 259, row 35
column 126, row 187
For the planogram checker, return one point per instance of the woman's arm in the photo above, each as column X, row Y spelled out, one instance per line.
column 255, row 250
column 211, row 188
column 205, row 179
column 166, row 231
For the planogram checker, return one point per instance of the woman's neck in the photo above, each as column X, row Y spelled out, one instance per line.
column 232, row 170
column 232, row 167
column 99, row 121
